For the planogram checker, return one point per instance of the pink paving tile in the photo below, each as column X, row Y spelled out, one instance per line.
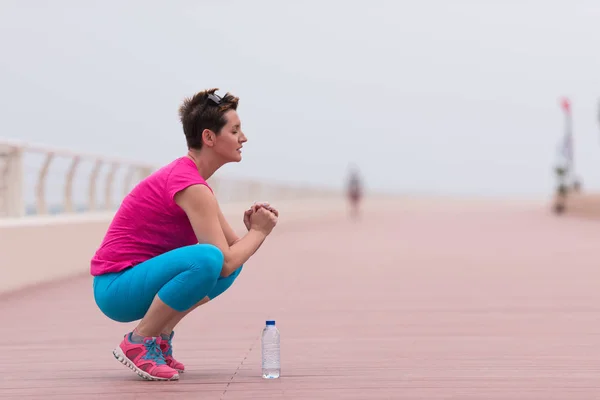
column 479, row 301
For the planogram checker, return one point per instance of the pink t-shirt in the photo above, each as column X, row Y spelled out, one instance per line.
column 149, row 222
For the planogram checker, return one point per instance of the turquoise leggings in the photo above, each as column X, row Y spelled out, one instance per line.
column 181, row 278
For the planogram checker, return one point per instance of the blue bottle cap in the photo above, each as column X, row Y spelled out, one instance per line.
column 270, row 322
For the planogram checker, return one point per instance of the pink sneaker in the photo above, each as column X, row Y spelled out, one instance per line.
column 145, row 359
column 167, row 350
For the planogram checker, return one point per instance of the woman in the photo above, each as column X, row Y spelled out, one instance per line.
column 169, row 249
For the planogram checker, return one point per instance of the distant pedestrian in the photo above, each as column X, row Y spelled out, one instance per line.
column 355, row 193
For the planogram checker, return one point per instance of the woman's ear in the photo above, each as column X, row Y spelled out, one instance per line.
column 208, row 138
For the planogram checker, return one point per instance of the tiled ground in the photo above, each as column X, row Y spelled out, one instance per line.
column 425, row 302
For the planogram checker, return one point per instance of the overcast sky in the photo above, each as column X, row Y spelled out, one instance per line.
column 429, row 96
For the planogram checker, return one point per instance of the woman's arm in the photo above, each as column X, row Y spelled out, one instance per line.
column 228, row 231
column 203, row 212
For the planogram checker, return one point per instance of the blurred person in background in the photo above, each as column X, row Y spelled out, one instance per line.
column 354, row 192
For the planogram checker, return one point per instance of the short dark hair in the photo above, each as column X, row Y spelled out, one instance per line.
column 205, row 110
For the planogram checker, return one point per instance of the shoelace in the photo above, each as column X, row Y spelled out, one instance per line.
column 153, row 352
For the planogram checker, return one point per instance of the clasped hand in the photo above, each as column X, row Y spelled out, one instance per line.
column 261, row 216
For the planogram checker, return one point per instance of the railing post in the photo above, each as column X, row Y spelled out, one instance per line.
column 11, row 181
column 108, row 188
column 93, row 181
column 41, row 206
column 128, row 180
column 69, row 206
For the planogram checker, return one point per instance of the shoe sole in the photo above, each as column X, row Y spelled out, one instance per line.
column 122, row 358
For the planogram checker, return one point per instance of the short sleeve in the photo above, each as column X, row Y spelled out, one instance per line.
column 183, row 175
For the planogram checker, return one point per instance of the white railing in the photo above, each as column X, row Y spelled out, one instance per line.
column 38, row 179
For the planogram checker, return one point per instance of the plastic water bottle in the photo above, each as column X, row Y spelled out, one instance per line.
column 270, row 351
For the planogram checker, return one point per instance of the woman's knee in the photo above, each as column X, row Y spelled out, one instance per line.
column 207, row 259
column 224, row 283
column 235, row 273
column 203, row 265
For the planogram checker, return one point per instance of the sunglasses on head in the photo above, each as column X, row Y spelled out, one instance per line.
column 215, row 99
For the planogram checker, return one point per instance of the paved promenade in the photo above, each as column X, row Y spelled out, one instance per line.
column 466, row 300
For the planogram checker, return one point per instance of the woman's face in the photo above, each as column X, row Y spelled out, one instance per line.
column 228, row 144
